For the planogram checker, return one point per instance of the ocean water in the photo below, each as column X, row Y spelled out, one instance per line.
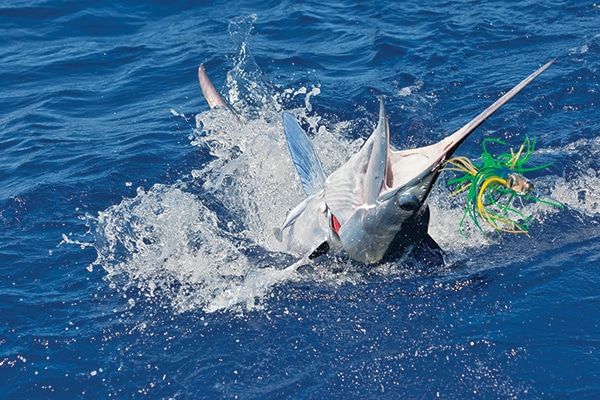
column 136, row 249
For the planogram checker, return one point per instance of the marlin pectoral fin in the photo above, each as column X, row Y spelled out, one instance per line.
column 278, row 233
column 291, row 217
column 304, row 156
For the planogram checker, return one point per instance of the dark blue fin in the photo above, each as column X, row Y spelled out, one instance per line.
column 429, row 254
column 319, row 251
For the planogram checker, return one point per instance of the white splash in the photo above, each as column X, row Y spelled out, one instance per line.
column 207, row 243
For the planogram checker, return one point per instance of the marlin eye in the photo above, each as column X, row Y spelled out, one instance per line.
column 408, row 202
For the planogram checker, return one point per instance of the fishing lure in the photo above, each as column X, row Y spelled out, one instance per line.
column 494, row 185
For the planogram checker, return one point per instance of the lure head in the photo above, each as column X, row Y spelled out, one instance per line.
column 519, row 184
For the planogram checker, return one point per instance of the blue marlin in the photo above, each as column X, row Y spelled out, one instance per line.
column 375, row 204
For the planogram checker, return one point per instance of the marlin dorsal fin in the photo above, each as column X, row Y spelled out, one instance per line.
column 304, row 156
column 378, row 160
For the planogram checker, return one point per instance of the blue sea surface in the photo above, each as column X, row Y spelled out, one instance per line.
column 136, row 249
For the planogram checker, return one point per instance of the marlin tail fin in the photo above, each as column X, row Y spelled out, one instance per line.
column 211, row 94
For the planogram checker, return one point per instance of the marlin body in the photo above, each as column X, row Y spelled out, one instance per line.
column 376, row 203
